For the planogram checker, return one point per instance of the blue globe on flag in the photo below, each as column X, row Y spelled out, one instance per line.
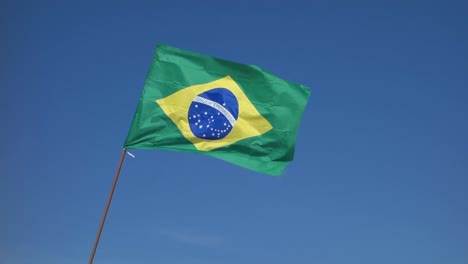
column 213, row 114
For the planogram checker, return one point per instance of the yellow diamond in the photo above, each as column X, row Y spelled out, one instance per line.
column 250, row 123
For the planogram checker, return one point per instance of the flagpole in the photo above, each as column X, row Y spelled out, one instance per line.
column 106, row 209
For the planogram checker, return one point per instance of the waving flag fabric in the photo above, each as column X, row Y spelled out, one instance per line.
column 235, row 112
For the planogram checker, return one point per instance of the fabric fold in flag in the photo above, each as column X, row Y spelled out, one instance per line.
column 234, row 112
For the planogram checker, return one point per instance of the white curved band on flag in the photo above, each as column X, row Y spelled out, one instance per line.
column 218, row 107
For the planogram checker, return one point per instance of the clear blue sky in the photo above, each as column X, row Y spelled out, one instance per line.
column 381, row 167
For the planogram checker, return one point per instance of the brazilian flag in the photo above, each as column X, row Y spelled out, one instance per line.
column 234, row 112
